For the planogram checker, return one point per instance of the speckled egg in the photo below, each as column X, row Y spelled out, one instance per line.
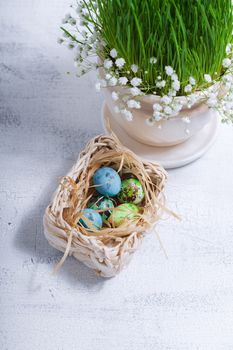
column 102, row 203
column 131, row 191
column 122, row 213
column 91, row 219
column 107, row 181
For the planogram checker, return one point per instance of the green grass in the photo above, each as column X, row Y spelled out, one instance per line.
column 189, row 35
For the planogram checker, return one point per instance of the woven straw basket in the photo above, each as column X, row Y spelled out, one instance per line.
column 110, row 249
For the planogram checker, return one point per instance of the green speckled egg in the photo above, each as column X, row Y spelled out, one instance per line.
column 102, row 203
column 131, row 191
column 122, row 213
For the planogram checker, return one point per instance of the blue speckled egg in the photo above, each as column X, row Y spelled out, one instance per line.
column 94, row 220
column 102, row 203
column 107, row 181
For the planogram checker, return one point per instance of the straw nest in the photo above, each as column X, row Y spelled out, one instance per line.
column 109, row 249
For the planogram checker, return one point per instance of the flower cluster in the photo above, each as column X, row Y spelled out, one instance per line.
column 124, row 79
column 81, row 36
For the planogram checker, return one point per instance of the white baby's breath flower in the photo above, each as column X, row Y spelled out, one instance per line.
column 135, row 81
column 171, row 93
column 228, row 48
column 161, row 84
column 176, row 85
column 207, row 78
column 127, row 114
column 115, row 96
column 229, row 106
column 134, row 68
column 153, row 60
column 192, row 81
column 123, row 80
column 120, row 62
column 227, row 78
column 108, row 76
column 157, row 116
column 168, row 110
column 226, row 62
column 85, row 11
column 133, row 104
column 177, row 107
column 112, row 81
column 113, row 53
column 166, row 99
column 188, row 88
column 108, row 64
column 137, row 105
column 212, row 101
column 192, row 99
column 157, row 107
column 169, row 70
column 174, row 77
column 135, row 91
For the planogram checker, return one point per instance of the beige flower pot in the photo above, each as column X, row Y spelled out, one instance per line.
column 166, row 132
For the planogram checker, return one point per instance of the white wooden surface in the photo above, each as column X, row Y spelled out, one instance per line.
column 46, row 117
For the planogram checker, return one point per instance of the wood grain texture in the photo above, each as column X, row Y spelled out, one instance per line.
column 46, row 117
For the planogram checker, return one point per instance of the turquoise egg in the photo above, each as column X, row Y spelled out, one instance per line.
column 107, row 181
column 94, row 219
column 131, row 191
column 102, row 203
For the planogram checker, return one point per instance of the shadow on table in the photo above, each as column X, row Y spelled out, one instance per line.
column 30, row 237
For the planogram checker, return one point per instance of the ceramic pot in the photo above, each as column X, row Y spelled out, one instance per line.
column 163, row 133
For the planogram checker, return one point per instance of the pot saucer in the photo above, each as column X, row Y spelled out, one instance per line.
column 169, row 157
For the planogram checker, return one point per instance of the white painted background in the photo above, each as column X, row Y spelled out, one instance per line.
column 46, row 117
